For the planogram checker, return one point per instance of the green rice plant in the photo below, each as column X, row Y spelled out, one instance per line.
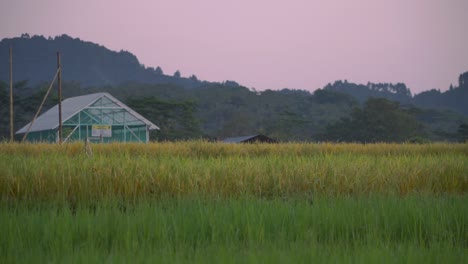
column 416, row 228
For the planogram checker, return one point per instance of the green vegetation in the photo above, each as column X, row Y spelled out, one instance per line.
column 178, row 117
column 224, row 110
column 463, row 132
column 414, row 229
column 380, row 120
column 188, row 108
column 210, row 202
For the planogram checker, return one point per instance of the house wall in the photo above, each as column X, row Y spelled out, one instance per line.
column 49, row 136
column 119, row 134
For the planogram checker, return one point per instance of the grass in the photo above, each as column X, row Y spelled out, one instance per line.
column 413, row 228
column 207, row 202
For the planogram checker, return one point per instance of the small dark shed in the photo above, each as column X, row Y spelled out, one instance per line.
column 250, row 139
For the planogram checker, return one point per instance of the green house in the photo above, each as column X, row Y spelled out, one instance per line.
column 98, row 117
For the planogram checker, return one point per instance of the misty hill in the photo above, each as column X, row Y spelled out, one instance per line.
column 85, row 62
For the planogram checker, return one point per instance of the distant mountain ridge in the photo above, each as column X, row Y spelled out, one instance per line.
column 34, row 59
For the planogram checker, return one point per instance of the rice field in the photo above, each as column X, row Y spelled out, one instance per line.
column 205, row 202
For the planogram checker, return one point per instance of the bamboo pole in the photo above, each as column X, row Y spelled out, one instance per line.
column 40, row 107
column 11, row 97
column 59, row 80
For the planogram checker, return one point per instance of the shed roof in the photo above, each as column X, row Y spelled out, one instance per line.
column 247, row 138
column 73, row 105
column 238, row 139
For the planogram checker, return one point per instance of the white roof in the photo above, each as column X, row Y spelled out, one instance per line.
column 73, row 105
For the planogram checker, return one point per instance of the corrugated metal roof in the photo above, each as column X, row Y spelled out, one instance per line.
column 70, row 107
column 238, row 139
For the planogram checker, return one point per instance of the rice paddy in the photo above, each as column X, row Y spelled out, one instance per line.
column 211, row 202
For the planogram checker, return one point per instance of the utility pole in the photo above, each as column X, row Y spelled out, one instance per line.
column 11, row 96
column 59, row 77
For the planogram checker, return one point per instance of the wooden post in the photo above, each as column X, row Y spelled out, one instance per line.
column 11, row 96
column 59, row 79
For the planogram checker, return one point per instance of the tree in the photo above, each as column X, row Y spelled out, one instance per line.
column 175, row 118
column 158, row 71
column 3, row 93
column 379, row 120
column 463, row 132
column 239, row 124
column 463, row 80
column 4, row 111
column 177, row 74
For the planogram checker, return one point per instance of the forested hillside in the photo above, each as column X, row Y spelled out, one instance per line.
column 220, row 110
column 84, row 62
column 91, row 65
column 454, row 99
column 186, row 108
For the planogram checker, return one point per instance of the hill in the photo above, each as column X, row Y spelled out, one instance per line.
column 84, row 62
column 453, row 99
column 186, row 108
column 90, row 64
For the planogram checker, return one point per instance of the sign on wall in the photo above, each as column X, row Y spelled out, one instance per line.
column 101, row 130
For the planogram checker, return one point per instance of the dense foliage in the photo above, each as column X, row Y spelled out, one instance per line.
column 178, row 117
column 379, row 120
column 217, row 111
column 187, row 108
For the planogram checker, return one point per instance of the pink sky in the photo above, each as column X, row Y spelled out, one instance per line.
column 267, row 44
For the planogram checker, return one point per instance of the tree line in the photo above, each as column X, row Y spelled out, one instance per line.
column 216, row 111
